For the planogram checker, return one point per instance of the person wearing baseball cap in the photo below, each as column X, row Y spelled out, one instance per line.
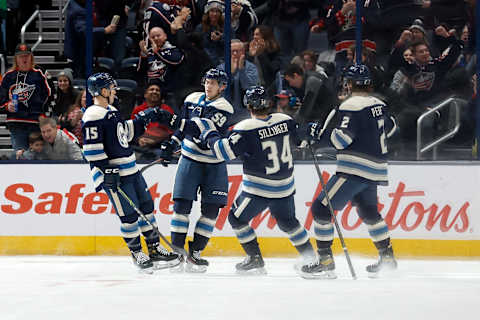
column 23, row 93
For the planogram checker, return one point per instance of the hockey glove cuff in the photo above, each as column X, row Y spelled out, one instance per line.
column 167, row 149
column 111, row 178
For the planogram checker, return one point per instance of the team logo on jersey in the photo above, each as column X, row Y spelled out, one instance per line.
column 423, row 81
column 24, row 91
column 122, row 135
column 157, row 70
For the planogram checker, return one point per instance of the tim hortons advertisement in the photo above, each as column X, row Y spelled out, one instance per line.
column 421, row 202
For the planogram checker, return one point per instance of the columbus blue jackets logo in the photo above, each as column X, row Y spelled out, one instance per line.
column 122, row 135
column 24, row 91
column 423, row 81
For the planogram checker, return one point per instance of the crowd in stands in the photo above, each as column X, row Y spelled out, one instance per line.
column 420, row 52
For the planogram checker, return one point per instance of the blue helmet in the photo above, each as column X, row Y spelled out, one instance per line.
column 216, row 74
column 256, row 98
column 359, row 74
column 96, row 82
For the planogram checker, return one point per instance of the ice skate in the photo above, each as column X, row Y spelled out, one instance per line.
column 252, row 265
column 385, row 264
column 142, row 262
column 322, row 267
column 162, row 258
column 195, row 264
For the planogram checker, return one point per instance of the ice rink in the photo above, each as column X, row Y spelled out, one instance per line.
column 67, row 288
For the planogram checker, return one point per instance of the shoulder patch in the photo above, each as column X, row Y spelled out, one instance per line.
column 193, row 97
column 222, row 104
column 358, row 103
column 94, row 113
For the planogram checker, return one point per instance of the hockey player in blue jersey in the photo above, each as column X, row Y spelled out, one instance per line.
column 199, row 169
column 360, row 137
column 263, row 143
column 106, row 139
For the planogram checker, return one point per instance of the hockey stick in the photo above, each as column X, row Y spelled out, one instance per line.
column 151, row 164
column 340, row 235
column 140, row 213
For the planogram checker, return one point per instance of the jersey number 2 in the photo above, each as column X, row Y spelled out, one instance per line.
column 381, row 128
column 285, row 156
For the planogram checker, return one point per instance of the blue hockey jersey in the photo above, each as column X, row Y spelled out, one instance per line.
column 196, row 105
column 264, row 147
column 360, row 138
column 106, row 138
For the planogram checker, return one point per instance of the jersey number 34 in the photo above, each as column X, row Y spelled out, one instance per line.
column 273, row 156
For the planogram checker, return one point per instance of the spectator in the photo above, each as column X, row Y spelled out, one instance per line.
column 287, row 103
column 30, row 86
column 75, row 26
column 81, row 100
column 66, row 94
column 35, row 150
column 309, row 62
column 155, row 132
column 72, row 122
column 291, row 25
column 212, row 30
column 244, row 75
column 265, row 52
column 244, row 19
column 163, row 15
column 60, row 144
column 160, row 62
column 105, row 10
column 318, row 99
column 400, row 83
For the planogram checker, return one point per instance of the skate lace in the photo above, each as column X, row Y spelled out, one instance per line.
column 141, row 257
column 161, row 249
column 196, row 255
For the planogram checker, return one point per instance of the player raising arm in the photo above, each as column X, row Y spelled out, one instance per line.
column 199, row 169
column 360, row 138
column 106, row 138
column 263, row 144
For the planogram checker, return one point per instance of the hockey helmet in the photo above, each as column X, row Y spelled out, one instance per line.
column 96, row 82
column 256, row 98
column 359, row 74
column 216, row 74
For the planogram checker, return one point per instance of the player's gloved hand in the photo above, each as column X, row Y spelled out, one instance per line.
column 166, row 151
column 154, row 115
column 111, row 178
column 314, row 130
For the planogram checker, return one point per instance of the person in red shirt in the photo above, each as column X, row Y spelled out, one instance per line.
column 155, row 132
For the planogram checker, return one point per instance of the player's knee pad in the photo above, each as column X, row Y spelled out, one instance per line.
column 182, row 206
column 210, row 210
column 369, row 214
column 234, row 221
column 146, row 207
column 287, row 225
column 321, row 213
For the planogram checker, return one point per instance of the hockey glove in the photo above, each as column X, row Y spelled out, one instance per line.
column 111, row 178
column 166, row 150
column 154, row 115
column 315, row 130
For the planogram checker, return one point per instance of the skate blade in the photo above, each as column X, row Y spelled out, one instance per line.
column 252, row 272
column 159, row 265
column 385, row 272
column 180, row 268
column 327, row 275
column 193, row 268
column 145, row 271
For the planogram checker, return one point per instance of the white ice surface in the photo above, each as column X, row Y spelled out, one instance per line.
column 88, row 288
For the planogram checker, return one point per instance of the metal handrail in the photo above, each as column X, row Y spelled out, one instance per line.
column 2, row 64
column 40, row 27
column 434, row 144
column 61, row 21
